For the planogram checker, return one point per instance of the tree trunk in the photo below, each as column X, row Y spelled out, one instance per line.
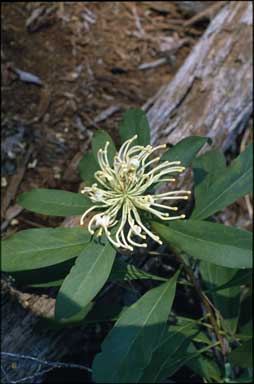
column 210, row 95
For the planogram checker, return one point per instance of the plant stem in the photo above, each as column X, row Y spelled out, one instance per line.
column 204, row 300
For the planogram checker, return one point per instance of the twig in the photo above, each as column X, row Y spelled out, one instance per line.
column 249, row 206
column 14, row 184
column 139, row 27
column 245, row 139
column 203, row 298
column 207, row 13
column 106, row 113
column 5, row 374
column 30, row 377
column 54, row 364
column 10, row 214
column 153, row 64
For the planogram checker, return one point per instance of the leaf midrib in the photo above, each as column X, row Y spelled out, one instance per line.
column 47, row 249
column 64, row 205
column 206, row 241
column 51, row 202
column 90, row 270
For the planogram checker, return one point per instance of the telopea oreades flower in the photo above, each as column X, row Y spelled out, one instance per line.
column 121, row 194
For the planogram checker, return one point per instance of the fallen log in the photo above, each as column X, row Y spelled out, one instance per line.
column 211, row 95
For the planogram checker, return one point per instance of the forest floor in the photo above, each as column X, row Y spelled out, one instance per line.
column 70, row 68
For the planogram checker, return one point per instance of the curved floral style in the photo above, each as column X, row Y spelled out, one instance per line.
column 121, row 194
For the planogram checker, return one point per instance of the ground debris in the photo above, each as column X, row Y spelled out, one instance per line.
column 15, row 181
column 208, row 13
column 28, row 77
column 41, row 17
column 106, row 113
column 153, row 64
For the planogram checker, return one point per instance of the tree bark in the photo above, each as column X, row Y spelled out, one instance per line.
column 211, row 95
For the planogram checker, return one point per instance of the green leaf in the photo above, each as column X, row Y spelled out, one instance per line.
column 186, row 150
column 104, row 310
column 51, row 276
column 203, row 366
column 190, row 328
column 39, row 248
column 54, row 276
column 124, row 271
column 245, row 332
column 242, row 356
column 227, row 300
column 128, row 348
column 87, row 167
column 86, row 278
column 173, row 351
column 181, row 358
column 215, row 243
column 206, row 169
column 229, row 186
column 242, row 277
column 173, row 343
column 54, row 202
column 75, row 319
column 98, row 142
column 246, row 310
column 94, row 312
column 135, row 122
column 51, row 283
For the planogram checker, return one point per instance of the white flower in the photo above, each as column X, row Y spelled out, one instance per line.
column 121, row 194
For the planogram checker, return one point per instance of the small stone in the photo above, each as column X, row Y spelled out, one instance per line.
column 3, row 182
column 14, row 222
column 11, row 155
column 57, row 172
column 32, row 164
column 60, row 138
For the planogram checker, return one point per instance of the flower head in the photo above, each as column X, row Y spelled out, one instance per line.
column 120, row 194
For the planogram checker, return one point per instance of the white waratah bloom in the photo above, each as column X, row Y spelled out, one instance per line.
column 121, row 194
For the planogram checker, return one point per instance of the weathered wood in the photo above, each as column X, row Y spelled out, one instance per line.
column 24, row 333
column 210, row 95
